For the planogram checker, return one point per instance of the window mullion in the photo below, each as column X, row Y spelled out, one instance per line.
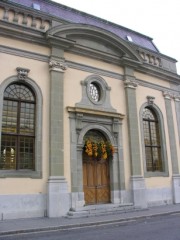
column 18, row 135
column 151, row 146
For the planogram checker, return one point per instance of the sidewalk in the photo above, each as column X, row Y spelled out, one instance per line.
column 45, row 224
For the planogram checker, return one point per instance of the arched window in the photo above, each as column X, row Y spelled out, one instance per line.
column 152, row 141
column 18, row 128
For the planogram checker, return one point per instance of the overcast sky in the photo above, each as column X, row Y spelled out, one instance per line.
column 158, row 19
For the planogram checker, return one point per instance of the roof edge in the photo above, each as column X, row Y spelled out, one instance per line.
column 87, row 15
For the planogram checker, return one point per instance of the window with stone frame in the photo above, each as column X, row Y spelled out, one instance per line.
column 18, row 128
column 152, row 142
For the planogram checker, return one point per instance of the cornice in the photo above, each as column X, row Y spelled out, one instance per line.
column 23, row 53
column 159, row 73
column 156, row 87
column 84, row 51
column 59, row 42
column 94, row 70
column 87, row 111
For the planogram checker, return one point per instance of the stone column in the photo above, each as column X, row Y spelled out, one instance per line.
column 173, row 148
column 58, row 197
column 137, row 181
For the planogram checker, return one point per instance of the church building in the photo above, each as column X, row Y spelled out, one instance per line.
column 89, row 115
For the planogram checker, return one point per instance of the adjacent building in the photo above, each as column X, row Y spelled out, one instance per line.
column 89, row 114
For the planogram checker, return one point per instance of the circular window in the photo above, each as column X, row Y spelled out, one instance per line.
column 94, row 92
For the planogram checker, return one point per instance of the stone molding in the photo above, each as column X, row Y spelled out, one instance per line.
column 80, row 111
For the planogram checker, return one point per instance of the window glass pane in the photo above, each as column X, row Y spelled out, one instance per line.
column 94, row 91
column 18, row 128
column 8, row 152
column 157, row 163
column 26, row 153
column 27, row 118
column 9, row 118
column 153, row 133
column 148, row 114
column 146, row 133
column 152, row 141
column 19, row 91
column 148, row 158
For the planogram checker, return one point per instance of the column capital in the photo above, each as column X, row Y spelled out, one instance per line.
column 59, row 66
column 167, row 95
column 130, row 83
column 176, row 98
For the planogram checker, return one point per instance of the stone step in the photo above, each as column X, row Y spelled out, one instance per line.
column 99, row 210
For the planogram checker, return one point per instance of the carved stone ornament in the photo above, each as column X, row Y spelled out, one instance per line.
column 176, row 98
column 130, row 83
column 58, row 66
column 167, row 95
column 150, row 99
column 22, row 73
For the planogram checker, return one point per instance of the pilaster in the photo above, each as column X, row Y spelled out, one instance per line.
column 130, row 89
column 57, row 68
column 177, row 106
column 137, row 181
column 172, row 140
column 58, row 196
column 173, row 148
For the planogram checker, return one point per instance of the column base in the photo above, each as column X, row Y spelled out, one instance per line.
column 139, row 191
column 115, row 197
column 176, row 188
column 77, row 200
column 58, row 203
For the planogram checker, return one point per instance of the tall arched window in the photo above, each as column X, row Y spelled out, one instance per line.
column 152, row 140
column 18, row 128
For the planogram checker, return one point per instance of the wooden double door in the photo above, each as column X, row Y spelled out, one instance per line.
column 96, row 181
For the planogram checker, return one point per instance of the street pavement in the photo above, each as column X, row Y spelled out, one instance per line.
column 9, row 227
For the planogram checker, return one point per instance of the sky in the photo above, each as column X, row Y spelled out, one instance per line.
column 158, row 19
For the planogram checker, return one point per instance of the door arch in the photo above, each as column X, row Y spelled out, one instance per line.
column 96, row 173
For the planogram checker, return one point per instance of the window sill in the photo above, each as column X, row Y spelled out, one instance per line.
column 156, row 174
column 20, row 174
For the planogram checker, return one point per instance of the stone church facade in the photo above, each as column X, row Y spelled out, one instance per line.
column 89, row 114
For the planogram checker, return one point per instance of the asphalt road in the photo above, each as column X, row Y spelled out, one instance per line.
column 156, row 228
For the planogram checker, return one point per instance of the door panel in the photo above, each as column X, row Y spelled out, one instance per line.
column 103, row 188
column 96, row 181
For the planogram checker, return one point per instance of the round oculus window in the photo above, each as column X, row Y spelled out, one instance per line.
column 94, row 92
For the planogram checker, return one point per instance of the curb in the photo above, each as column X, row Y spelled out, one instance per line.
column 89, row 224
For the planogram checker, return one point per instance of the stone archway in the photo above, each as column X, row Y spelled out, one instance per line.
column 109, row 124
column 96, row 173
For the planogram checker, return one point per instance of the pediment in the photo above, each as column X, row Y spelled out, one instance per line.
column 97, row 44
column 95, row 39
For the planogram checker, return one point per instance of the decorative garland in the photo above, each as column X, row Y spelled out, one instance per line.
column 102, row 149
